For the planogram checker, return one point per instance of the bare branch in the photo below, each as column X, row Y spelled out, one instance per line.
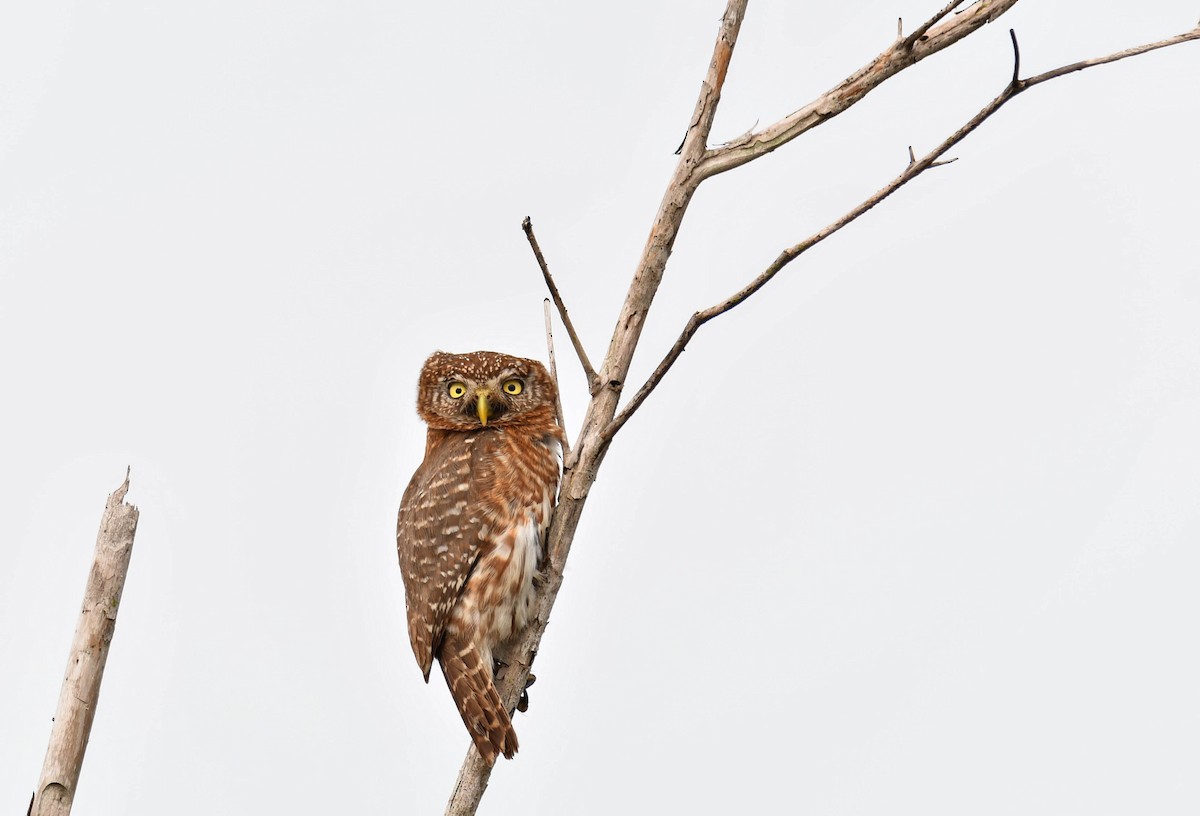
column 1054, row 73
column 924, row 27
column 1016, row 75
column 80, row 692
column 915, row 168
column 472, row 781
column 696, row 163
column 929, row 38
column 558, row 411
column 579, row 474
column 588, row 371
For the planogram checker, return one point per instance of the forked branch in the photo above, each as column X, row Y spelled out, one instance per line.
column 920, row 31
column 1055, row 73
column 930, row 37
column 697, row 163
column 915, row 168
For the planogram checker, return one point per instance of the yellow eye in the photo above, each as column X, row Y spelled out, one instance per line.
column 513, row 387
column 457, row 390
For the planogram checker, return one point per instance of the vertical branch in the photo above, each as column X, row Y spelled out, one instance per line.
column 558, row 411
column 590, row 447
column 653, row 262
column 56, row 787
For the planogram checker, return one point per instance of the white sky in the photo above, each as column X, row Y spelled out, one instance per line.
column 913, row 531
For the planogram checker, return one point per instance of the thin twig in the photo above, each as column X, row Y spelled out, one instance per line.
column 558, row 411
column 1016, row 77
column 912, row 159
column 588, row 371
column 920, row 30
column 1054, row 73
column 914, row 169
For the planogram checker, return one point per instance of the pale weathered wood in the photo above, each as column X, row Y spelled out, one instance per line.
column 580, row 472
column 915, row 168
column 930, row 37
column 697, row 163
column 56, row 788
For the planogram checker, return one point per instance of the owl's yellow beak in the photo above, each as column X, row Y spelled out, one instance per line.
column 481, row 407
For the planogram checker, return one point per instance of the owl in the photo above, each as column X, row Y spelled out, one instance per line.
column 473, row 521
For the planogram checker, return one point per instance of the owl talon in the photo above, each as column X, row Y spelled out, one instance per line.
column 523, row 703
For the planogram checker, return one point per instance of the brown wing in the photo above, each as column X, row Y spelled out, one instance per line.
column 438, row 535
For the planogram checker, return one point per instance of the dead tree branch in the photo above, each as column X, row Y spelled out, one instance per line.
column 930, row 37
column 56, row 787
column 558, row 411
column 1137, row 50
column 588, row 371
column 915, row 168
column 920, row 31
column 697, row 163
column 1016, row 74
column 589, row 446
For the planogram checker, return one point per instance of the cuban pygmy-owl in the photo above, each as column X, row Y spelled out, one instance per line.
column 472, row 524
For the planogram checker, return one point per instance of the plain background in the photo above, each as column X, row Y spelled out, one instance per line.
column 913, row 531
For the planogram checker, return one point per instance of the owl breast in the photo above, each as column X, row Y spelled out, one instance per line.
column 498, row 598
column 502, row 583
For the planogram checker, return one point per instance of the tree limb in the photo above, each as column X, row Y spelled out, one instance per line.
column 696, row 163
column 915, row 168
column 56, row 787
column 579, row 475
column 588, row 371
column 929, row 38
column 1137, row 50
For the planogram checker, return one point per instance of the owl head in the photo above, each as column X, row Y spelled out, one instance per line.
column 466, row 392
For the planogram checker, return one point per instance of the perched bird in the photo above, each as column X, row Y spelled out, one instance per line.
column 473, row 521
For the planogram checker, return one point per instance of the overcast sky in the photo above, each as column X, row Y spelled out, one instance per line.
column 915, row 530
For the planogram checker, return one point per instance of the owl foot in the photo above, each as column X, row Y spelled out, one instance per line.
column 523, row 703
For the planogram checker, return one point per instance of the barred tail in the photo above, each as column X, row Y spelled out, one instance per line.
column 479, row 704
